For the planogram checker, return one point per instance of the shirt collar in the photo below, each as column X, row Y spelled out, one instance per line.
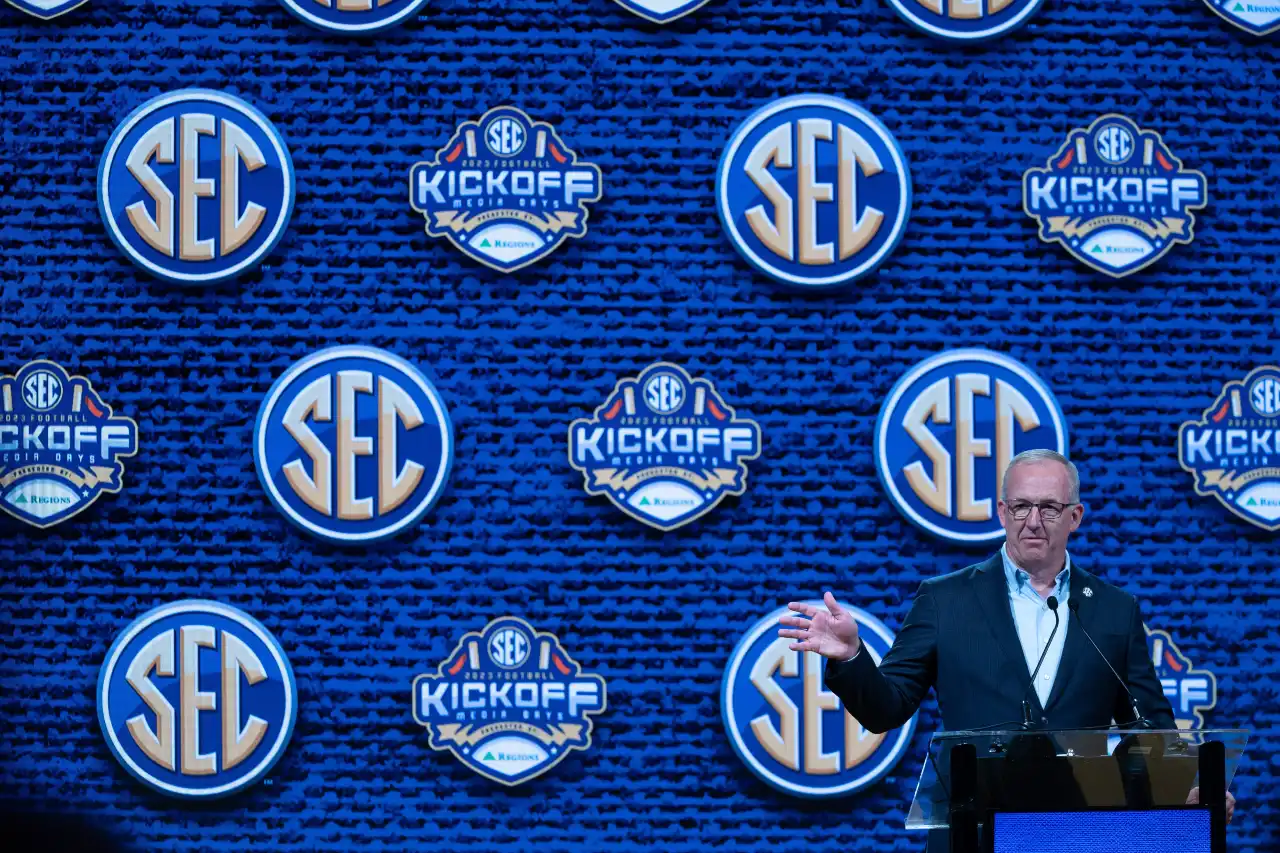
column 1018, row 579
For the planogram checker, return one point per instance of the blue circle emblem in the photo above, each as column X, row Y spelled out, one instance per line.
column 813, row 191
column 965, row 20
column 353, row 444
column 947, row 431
column 196, row 186
column 354, row 17
column 196, row 699
column 763, row 702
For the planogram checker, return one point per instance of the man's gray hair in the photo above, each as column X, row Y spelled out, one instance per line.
column 1073, row 476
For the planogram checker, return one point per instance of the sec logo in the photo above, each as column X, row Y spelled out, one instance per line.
column 661, row 11
column 813, row 191
column 965, row 20
column 47, row 9
column 197, row 699
column 353, row 17
column 61, row 445
column 353, row 444
column 196, row 186
column 788, row 729
column 947, row 431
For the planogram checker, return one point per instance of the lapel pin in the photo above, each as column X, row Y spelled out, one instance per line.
column 1088, row 592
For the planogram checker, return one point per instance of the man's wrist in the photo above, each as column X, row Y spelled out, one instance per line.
column 856, row 652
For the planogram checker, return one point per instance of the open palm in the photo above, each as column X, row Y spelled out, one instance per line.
column 831, row 633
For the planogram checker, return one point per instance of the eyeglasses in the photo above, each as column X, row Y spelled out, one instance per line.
column 1049, row 510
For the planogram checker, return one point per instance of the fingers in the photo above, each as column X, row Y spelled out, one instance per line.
column 793, row 635
column 831, row 603
column 794, row 621
column 806, row 646
column 800, row 607
column 1193, row 797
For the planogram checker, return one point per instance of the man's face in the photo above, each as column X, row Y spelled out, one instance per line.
column 1035, row 542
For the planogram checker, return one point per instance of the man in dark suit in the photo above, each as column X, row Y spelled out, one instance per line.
column 976, row 635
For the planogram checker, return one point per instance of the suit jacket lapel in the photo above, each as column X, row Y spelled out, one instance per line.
column 992, row 592
column 1077, row 645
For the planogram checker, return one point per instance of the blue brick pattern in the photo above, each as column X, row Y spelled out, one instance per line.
column 517, row 357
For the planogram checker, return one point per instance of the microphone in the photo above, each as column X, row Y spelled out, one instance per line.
column 1026, row 704
column 1139, row 721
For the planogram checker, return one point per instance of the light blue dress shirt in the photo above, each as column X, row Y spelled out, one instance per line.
column 1034, row 621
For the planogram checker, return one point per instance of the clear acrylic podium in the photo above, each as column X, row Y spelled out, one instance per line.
column 986, row 778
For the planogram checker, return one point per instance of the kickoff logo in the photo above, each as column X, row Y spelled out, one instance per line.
column 353, row 444
column 196, row 186
column 1190, row 691
column 505, row 190
column 1115, row 197
column 197, row 699
column 661, row 11
column 664, row 447
column 1234, row 448
column 813, row 191
column 353, row 17
column 792, row 732
column 965, row 20
column 47, row 9
column 508, row 702
column 1259, row 17
column 947, row 431
column 61, row 448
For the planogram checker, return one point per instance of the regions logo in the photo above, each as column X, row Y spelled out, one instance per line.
column 508, row 702
column 661, row 11
column 61, row 447
column 947, row 431
column 1190, row 691
column 965, row 20
column 353, row 444
column 813, row 191
column 1234, row 448
column 353, row 17
column 196, row 699
column 1259, row 18
column 664, row 447
column 505, row 190
column 47, row 9
column 196, row 186
column 1114, row 196
column 792, row 732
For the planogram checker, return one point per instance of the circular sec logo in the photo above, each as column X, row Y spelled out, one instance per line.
column 792, row 732
column 196, row 187
column 353, row 444
column 947, row 431
column 813, row 191
column 197, row 700
column 353, row 17
column 965, row 20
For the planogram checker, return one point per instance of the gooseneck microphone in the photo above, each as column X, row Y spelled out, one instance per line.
column 1026, row 702
column 1139, row 721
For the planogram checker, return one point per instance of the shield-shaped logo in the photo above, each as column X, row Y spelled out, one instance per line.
column 661, row 11
column 47, row 9
column 1259, row 17
column 505, row 190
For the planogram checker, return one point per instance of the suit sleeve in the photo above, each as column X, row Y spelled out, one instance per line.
column 883, row 698
column 1142, row 680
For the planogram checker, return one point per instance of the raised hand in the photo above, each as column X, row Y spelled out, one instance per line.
column 831, row 633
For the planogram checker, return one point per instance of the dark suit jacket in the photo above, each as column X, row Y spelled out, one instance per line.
column 959, row 638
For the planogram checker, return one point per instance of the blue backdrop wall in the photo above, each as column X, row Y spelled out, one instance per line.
column 518, row 356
